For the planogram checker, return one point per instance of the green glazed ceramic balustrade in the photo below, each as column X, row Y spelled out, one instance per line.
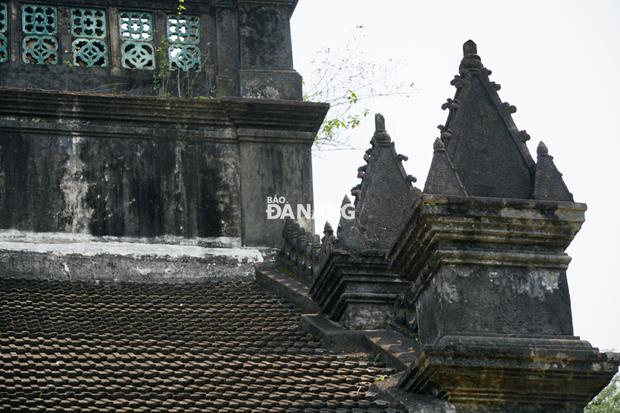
column 136, row 31
column 184, row 40
column 88, row 27
column 39, row 24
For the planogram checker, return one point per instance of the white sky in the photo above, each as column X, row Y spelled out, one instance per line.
column 557, row 61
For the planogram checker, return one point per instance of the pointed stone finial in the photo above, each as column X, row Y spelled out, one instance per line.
column 542, row 149
column 327, row 229
column 380, row 136
column 442, row 178
column 345, row 201
column 470, row 48
column 471, row 61
column 379, row 123
column 548, row 182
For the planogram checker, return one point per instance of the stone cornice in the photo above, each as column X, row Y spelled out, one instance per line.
column 94, row 115
column 518, row 230
column 291, row 3
column 492, row 369
column 193, row 6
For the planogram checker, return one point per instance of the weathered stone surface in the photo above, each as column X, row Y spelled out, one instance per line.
column 300, row 250
column 245, row 51
column 480, row 265
column 124, row 166
column 385, row 194
column 491, row 303
column 65, row 256
column 442, row 177
column 119, row 187
column 511, row 374
column 270, row 166
column 357, row 290
column 488, row 296
column 354, row 284
column 481, row 139
column 119, row 268
column 548, row 182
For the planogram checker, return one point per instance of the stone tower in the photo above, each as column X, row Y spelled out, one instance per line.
column 130, row 119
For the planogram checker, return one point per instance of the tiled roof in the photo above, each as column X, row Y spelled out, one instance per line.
column 212, row 347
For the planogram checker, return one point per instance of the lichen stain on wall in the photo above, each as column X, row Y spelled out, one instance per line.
column 539, row 283
column 75, row 188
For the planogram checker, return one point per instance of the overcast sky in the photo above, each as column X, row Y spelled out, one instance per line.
column 558, row 62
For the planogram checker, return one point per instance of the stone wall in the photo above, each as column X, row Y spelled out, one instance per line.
column 244, row 50
column 146, row 167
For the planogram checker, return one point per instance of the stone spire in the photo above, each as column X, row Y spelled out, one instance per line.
column 442, row 177
column 548, row 182
column 381, row 199
column 355, row 285
column 484, row 150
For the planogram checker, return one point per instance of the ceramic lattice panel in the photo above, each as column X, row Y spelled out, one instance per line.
column 136, row 31
column 88, row 27
column 90, row 53
column 39, row 19
column 39, row 25
column 183, row 29
column 184, row 40
column 184, row 57
column 89, row 23
column 4, row 28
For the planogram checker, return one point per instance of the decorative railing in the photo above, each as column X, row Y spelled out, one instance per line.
column 41, row 37
column 303, row 252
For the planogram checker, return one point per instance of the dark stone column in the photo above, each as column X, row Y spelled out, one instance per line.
column 227, row 78
column 266, row 66
column 115, row 42
column 272, row 165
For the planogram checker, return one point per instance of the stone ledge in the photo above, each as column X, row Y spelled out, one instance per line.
column 39, row 257
column 542, row 229
column 109, row 116
column 554, row 373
